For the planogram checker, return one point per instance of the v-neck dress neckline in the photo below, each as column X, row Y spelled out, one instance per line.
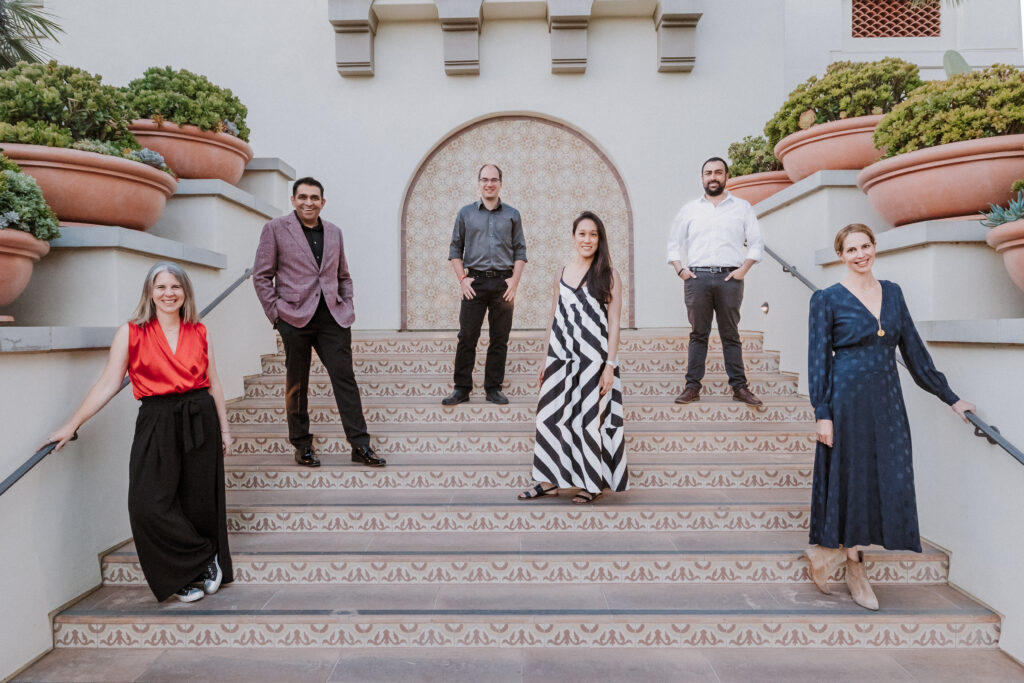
column 881, row 304
column 583, row 279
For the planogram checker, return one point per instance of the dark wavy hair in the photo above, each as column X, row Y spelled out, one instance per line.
column 599, row 280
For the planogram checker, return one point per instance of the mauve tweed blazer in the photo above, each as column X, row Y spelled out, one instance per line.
column 288, row 281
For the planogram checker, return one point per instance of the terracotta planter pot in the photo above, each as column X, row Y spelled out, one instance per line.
column 1008, row 239
column 945, row 181
column 194, row 153
column 85, row 187
column 19, row 252
column 836, row 145
column 758, row 186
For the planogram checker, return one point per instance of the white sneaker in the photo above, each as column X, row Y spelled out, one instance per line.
column 211, row 577
column 189, row 594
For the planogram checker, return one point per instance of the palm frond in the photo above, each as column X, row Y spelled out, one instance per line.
column 24, row 25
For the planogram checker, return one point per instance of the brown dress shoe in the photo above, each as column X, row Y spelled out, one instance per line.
column 860, row 589
column 823, row 563
column 689, row 395
column 744, row 396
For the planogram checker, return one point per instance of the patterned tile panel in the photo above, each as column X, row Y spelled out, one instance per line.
column 667, row 569
column 796, row 442
column 360, row 631
column 896, row 19
column 392, row 479
column 551, row 174
column 768, row 516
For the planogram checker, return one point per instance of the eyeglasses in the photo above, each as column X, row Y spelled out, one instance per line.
column 494, row 181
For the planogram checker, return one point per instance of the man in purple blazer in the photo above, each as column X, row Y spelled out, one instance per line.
column 301, row 278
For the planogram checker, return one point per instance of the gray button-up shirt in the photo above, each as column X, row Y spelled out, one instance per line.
column 488, row 240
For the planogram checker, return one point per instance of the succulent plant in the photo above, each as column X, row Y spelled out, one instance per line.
column 846, row 90
column 183, row 97
column 22, row 206
column 150, row 158
column 752, row 154
column 967, row 106
column 998, row 215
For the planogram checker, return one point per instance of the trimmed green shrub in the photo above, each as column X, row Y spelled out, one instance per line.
column 752, row 154
column 22, row 206
column 969, row 106
column 52, row 95
column 163, row 94
column 846, row 90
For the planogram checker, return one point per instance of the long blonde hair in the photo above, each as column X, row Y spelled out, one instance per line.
column 146, row 310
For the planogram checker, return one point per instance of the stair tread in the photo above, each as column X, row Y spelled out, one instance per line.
column 518, row 664
column 326, row 545
column 514, row 602
column 404, row 461
column 506, row 498
column 499, row 429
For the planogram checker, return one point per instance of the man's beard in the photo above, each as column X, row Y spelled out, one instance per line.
column 717, row 191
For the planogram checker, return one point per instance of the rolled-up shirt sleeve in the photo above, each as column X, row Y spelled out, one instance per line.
column 676, row 248
column 458, row 245
column 752, row 233
column 518, row 238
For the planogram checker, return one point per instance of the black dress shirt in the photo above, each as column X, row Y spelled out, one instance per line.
column 488, row 239
column 315, row 237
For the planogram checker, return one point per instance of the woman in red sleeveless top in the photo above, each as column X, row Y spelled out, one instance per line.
column 176, row 473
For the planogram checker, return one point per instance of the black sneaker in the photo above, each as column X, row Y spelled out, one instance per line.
column 209, row 580
column 189, row 594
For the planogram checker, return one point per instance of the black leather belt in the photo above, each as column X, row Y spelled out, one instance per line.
column 712, row 269
column 490, row 273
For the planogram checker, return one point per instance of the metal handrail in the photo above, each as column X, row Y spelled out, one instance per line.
column 981, row 428
column 39, row 455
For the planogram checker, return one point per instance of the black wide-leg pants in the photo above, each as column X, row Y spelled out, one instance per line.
column 176, row 490
column 333, row 344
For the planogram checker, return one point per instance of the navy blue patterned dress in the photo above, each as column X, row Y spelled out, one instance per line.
column 863, row 490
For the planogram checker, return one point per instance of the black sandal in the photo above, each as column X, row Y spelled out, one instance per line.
column 538, row 491
column 583, row 497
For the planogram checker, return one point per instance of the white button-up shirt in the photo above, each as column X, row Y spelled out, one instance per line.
column 707, row 235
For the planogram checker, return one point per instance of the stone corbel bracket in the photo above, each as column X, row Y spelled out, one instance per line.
column 567, row 22
column 460, row 28
column 676, row 24
column 355, row 25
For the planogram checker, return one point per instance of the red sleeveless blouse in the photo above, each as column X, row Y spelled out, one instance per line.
column 155, row 370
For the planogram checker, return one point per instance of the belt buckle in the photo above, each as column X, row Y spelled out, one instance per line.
column 490, row 273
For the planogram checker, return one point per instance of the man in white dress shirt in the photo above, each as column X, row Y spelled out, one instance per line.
column 715, row 240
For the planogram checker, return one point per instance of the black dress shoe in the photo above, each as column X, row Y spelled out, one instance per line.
column 457, row 396
column 306, row 457
column 495, row 396
column 366, row 456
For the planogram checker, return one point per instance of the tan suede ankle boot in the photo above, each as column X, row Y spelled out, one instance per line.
column 823, row 563
column 857, row 580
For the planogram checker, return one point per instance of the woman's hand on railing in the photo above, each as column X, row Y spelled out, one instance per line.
column 961, row 407
column 60, row 436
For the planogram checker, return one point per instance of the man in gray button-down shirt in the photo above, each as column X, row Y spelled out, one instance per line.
column 488, row 254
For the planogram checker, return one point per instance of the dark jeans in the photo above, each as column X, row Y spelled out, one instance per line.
column 709, row 296
column 333, row 344
column 488, row 300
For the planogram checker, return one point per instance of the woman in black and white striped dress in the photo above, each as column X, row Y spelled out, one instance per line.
column 579, row 415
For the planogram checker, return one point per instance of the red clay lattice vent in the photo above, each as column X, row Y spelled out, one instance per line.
column 896, row 19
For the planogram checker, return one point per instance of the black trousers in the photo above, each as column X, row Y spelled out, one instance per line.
column 488, row 299
column 709, row 296
column 176, row 490
column 333, row 344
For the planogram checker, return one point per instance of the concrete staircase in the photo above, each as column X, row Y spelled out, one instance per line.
column 434, row 554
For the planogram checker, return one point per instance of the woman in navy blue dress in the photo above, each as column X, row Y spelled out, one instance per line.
column 863, row 490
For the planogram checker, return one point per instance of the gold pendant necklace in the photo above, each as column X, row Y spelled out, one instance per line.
column 881, row 332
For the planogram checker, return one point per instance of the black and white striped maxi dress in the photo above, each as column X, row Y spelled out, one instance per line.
column 579, row 432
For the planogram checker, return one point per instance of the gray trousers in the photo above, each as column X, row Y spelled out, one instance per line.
column 709, row 296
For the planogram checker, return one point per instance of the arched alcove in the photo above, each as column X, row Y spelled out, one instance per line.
column 552, row 172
